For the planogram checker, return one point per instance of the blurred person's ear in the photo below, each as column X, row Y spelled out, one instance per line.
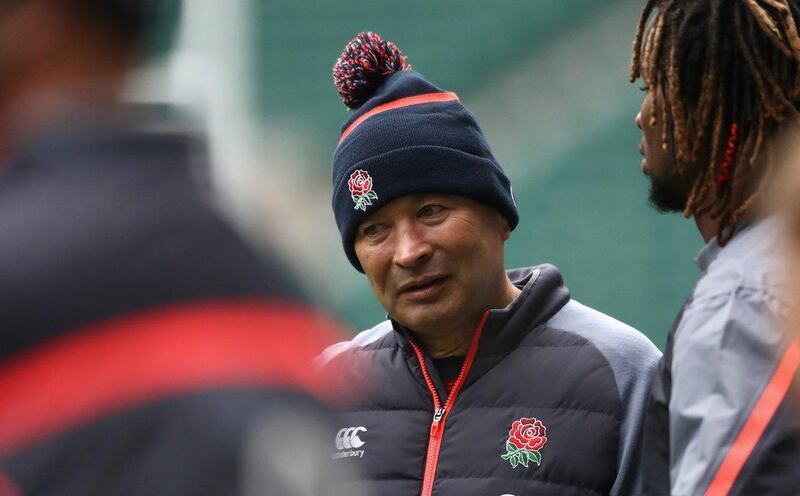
column 30, row 31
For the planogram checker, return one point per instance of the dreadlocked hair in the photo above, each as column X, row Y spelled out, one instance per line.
column 726, row 77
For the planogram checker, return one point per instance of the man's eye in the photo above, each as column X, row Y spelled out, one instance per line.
column 430, row 210
column 370, row 230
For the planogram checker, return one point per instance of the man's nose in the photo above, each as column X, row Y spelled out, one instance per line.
column 412, row 248
column 639, row 120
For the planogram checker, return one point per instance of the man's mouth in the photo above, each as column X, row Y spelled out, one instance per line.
column 422, row 287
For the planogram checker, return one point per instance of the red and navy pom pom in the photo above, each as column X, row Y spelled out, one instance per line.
column 363, row 65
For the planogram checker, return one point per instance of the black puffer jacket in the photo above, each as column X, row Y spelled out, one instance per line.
column 549, row 401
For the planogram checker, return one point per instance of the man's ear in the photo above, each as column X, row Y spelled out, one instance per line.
column 503, row 225
column 506, row 229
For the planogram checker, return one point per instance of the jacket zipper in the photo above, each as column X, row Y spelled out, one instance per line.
column 441, row 412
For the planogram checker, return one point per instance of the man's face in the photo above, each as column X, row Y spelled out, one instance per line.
column 668, row 190
column 433, row 261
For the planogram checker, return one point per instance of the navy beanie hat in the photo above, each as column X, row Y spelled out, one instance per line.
column 406, row 136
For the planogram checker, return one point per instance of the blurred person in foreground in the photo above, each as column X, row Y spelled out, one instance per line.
column 789, row 207
column 485, row 382
column 722, row 79
column 144, row 349
column 785, row 202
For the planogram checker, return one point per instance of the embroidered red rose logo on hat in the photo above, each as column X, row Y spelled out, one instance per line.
column 526, row 437
column 360, row 184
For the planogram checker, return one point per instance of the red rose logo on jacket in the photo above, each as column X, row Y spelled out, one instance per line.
column 360, row 185
column 526, row 437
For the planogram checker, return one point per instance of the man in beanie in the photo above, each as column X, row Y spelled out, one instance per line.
column 483, row 382
column 145, row 349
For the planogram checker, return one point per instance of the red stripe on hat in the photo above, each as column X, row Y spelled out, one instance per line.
column 439, row 96
column 155, row 354
column 756, row 424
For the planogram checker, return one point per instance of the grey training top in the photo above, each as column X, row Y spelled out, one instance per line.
column 726, row 349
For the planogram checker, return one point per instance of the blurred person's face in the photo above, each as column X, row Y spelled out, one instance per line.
column 47, row 42
column 669, row 191
column 16, row 17
column 434, row 261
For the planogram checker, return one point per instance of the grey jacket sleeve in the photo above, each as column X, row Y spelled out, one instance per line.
column 634, row 360
column 634, row 368
column 725, row 352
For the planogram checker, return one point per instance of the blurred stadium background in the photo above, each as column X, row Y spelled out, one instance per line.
column 547, row 80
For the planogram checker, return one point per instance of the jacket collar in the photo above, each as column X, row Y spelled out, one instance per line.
column 543, row 294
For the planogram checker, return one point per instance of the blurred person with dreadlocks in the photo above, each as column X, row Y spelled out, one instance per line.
column 144, row 347
column 722, row 79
